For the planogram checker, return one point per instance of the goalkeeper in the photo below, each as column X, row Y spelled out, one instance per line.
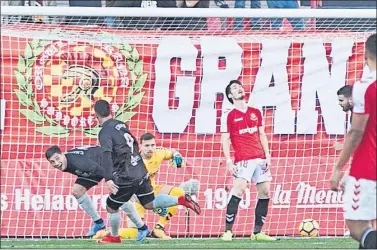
column 153, row 157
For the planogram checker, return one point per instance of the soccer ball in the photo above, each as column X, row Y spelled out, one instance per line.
column 309, row 228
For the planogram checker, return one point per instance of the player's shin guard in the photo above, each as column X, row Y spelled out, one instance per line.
column 260, row 214
column 115, row 223
column 130, row 210
column 368, row 239
column 231, row 212
column 177, row 192
column 88, row 206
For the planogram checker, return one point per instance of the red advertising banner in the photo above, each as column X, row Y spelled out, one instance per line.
column 171, row 84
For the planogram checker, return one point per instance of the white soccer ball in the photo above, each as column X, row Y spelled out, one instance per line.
column 309, row 228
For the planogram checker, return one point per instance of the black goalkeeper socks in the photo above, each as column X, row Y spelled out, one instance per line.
column 260, row 214
column 231, row 212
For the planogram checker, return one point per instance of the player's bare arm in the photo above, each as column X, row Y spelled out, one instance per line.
column 264, row 141
column 352, row 140
column 338, row 145
column 225, row 141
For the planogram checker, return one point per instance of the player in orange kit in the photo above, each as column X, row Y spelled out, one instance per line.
column 153, row 158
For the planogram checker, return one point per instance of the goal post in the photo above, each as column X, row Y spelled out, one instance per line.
column 164, row 71
column 186, row 12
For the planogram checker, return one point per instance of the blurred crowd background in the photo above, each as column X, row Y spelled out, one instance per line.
column 237, row 24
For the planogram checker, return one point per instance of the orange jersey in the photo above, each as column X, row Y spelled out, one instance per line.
column 153, row 164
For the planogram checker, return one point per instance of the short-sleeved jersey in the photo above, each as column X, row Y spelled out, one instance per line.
column 244, row 133
column 153, row 164
column 363, row 164
column 86, row 161
column 128, row 165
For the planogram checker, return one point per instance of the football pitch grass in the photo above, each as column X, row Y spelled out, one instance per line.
column 184, row 243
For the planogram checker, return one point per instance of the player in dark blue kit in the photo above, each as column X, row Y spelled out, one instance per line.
column 90, row 165
column 129, row 172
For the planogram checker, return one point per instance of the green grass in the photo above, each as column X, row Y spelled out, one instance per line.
column 240, row 243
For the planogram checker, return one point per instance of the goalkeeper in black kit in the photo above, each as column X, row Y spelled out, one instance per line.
column 130, row 175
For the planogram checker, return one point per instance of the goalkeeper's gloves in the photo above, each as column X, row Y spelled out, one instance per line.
column 161, row 211
column 177, row 160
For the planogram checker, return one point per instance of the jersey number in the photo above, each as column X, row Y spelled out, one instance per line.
column 130, row 142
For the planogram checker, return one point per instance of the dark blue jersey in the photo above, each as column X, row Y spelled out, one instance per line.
column 128, row 166
column 88, row 161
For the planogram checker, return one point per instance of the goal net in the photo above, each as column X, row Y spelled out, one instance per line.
column 164, row 71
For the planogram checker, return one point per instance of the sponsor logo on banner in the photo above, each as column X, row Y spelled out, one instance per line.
column 58, row 83
column 306, row 196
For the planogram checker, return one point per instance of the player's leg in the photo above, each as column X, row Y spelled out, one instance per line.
column 360, row 210
column 363, row 232
column 261, row 211
column 262, row 177
column 243, row 177
column 113, row 203
column 146, row 196
column 135, row 215
column 79, row 191
column 131, row 231
column 159, row 229
column 239, row 187
column 112, row 207
column 135, row 212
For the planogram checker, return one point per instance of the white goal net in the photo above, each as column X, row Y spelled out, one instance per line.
column 164, row 71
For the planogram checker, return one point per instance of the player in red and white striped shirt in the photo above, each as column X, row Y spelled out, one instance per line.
column 243, row 128
column 360, row 185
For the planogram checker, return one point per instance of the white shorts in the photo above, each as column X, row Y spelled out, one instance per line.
column 359, row 199
column 253, row 169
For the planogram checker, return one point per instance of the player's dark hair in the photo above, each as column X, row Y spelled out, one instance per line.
column 370, row 46
column 227, row 89
column 102, row 108
column 51, row 151
column 146, row 137
column 345, row 90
